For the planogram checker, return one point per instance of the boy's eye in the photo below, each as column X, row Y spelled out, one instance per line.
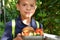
column 24, row 4
column 32, row 5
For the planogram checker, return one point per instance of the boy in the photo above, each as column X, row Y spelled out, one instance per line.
column 27, row 9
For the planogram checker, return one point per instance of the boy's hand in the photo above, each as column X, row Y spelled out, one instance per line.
column 18, row 37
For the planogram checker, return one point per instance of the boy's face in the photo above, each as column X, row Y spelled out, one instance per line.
column 27, row 8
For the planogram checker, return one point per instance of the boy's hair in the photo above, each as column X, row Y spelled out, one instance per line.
column 19, row 1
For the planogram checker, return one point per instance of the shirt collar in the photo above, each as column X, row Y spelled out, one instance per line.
column 20, row 20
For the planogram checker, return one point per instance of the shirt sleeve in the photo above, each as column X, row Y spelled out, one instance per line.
column 8, row 32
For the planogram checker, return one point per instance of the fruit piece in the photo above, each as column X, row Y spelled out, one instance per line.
column 31, row 34
column 34, row 33
column 25, row 33
column 22, row 34
column 39, row 31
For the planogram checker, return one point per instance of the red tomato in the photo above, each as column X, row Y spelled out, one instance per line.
column 39, row 31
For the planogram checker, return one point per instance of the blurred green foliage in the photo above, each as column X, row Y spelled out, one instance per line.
column 1, row 28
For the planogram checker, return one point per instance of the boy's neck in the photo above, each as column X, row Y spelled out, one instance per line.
column 26, row 20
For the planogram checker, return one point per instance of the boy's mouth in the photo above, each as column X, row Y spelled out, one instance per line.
column 28, row 12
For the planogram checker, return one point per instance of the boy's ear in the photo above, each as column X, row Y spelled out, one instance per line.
column 17, row 6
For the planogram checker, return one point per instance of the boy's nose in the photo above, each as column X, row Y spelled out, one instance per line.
column 28, row 8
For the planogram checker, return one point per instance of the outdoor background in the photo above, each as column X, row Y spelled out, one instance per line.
column 47, row 13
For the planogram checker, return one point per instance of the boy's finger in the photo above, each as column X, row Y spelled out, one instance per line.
column 19, row 35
